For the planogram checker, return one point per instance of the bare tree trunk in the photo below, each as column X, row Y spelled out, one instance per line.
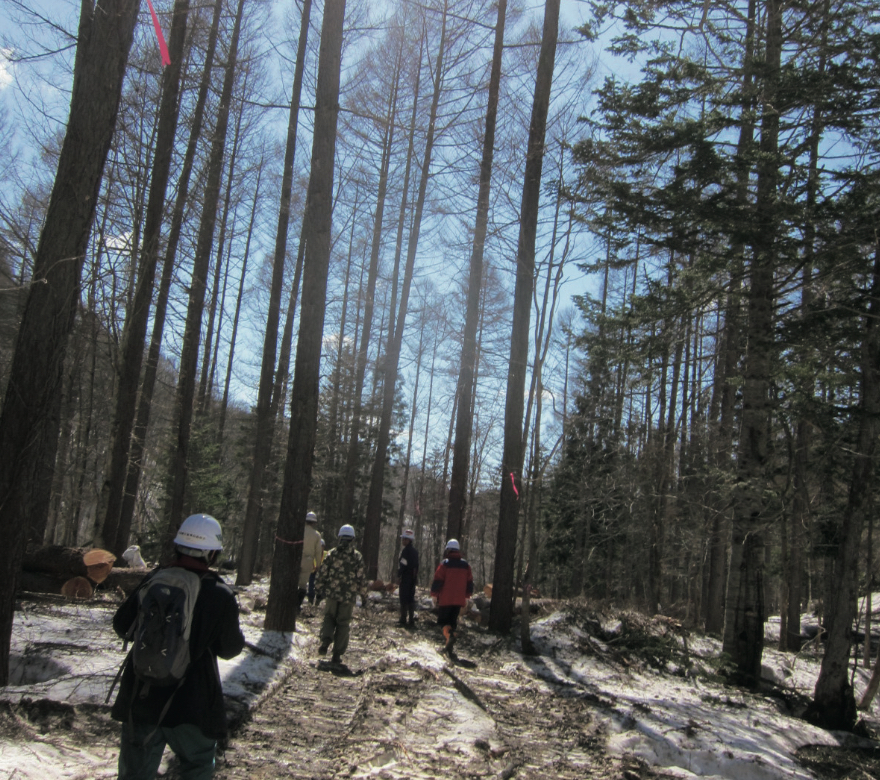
column 723, row 398
column 27, row 437
column 404, row 485
column 744, row 614
column 353, row 455
column 132, row 478
column 834, row 705
column 265, row 419
column 135, row 329
column 281, row 609
column 501, row 610
column 464, row 424
column 221, row 425
column 392, row 353
column 178, row 470
column 206, row 381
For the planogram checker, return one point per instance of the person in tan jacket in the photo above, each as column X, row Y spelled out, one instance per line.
column 312, row 554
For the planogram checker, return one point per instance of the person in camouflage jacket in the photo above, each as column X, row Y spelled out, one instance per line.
column 341, row 578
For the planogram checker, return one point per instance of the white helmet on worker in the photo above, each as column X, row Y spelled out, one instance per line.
column 346, row 532
column 311, row 517
column 408, row 534
column 452, row 544
column 200, row 533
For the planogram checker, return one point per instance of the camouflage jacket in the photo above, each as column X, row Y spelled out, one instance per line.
column 342, row 575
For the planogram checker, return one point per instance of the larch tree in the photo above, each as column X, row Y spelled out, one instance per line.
column 135, row 329
column 178, row 466
column 265, row 421
column 281, row 609
column 464, row 423
column 501, row 610
column 26, row 435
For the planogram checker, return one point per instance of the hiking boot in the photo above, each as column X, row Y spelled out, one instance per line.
column 450, row 639
column 322, row 650
column 336, row 659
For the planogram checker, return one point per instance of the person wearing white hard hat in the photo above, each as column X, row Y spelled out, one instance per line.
column 312, row 554
column 341, row 578
column 189, row 717
column 452, row 587
column 407, row 574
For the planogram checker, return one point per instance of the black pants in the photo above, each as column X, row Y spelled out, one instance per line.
column 448, row 616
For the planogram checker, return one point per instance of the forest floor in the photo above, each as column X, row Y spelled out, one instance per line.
column 612, row 696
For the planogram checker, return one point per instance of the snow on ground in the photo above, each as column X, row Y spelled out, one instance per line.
column 681, row 720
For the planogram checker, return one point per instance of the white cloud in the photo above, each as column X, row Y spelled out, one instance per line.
column 5, row 68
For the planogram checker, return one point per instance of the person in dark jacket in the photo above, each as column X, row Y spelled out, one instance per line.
column 452, row 587
column 407, row 574
column 191, row 718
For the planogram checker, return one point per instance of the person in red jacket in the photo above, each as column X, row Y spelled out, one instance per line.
column 453, row 585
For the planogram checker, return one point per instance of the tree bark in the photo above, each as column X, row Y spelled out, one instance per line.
column 35, row 374
column 464, row 424
column 135, row 329
column 834, row 705
column 744, row 614
column 352, row 459
column 373, row 525
column 265, row 421
column 281, row 609
column 501, row 609
column 178, row 470
column 132, row 479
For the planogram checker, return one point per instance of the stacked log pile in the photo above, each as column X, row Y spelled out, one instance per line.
column 74, row 572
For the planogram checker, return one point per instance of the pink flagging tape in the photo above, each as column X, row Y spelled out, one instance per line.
column 163, row 48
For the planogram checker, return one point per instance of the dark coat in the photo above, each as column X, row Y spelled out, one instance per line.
column 408, row 565
column 215, row 633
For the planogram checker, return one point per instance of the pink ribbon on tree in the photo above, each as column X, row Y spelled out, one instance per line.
column 163, row 48
column 513, row 482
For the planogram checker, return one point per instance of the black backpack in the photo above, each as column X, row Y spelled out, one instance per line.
column 160, row 633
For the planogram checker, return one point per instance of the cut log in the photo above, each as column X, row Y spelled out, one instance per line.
column 99, row 563
column 77, row 588
column 66, row 562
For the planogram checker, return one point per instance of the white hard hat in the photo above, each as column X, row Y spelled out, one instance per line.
column 311, row 517
column 200, row 532
column 452, row 544
column 408, row 534
column 346, row 531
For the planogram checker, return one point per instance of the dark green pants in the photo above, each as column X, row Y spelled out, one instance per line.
column 194, row 750
column 337, row 624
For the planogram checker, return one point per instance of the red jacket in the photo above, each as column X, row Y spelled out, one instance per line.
column 453, row 581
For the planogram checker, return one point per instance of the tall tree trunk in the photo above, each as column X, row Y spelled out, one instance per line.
column 744, row 614
column 723, row 391
column 404, row 483
column 221, row 425
column 373, row 525
column 265, row 420
column 26, row 436
column 151, row 368
column 790, row 637
column 281, row 609
column 501, row 610
column 206, row 381
column 834, row 705
column 135, row 329
column 353, row 455
column 464, row 424
column 178, row 470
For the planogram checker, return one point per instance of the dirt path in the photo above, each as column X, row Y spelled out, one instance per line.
column 403, row 711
